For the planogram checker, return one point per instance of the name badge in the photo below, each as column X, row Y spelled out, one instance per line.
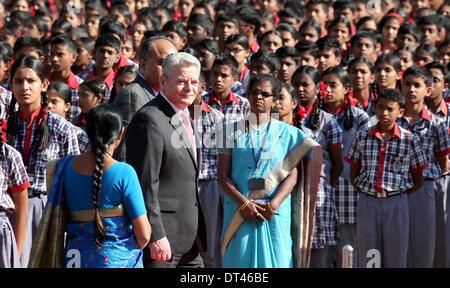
column 256, row 184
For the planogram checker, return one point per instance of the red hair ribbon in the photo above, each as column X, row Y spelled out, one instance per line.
column 44, row 114
column 3, row 127
column 396, row 15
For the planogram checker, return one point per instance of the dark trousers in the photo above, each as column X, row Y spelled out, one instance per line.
column 191, row 259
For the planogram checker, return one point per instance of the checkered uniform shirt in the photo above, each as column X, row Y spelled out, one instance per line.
column 13, row 176
column 5, row 99
column 63, row 143
column 75, row 108
column 328, row 134
column 206, row 121
column 386, row 165
column 442, row 113
column 346, row 196
column 434, row 140
column 87, row 71
column 234, row 109
column 83, row 140
column 239, row 89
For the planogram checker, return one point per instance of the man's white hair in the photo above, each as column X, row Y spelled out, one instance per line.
column 176, row 59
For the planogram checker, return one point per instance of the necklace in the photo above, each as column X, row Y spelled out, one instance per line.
column 108, row 154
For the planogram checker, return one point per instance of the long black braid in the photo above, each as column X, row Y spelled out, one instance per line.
column 314, row 121
column 103, row 126
column 100, row 152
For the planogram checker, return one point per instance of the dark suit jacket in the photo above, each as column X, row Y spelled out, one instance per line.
column 129, row 101
column 168, row 174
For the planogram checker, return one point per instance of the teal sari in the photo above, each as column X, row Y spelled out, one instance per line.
column 269, row 244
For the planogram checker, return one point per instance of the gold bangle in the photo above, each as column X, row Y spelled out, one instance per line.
column 243, row 206
column 271, row 209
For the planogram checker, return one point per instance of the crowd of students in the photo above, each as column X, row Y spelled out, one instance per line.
column 369, row 85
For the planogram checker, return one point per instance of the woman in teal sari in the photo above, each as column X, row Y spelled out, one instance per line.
column 258, row 175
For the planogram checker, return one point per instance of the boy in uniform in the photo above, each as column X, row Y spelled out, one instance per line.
column 434, row 141
column 386, row 167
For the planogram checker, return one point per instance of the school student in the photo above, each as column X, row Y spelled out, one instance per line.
column 363, row 44
column 59, row 101
column 326, row 131
column 107, row 53
column 13, row 204
column 237, row 46
column 434, row 141
column 351, row 120
column 361, row 74
column 62, row 56
column 39, row 136
column 308, row 52
column 437, row 105
column 386, row 167
column 92, row 92
column 330, row 53
column 206, row 121
column 388, row 72
column 234, row 107
column 290, row 61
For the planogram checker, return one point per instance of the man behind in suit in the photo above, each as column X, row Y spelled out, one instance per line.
column 161, row 147
column 146, row 85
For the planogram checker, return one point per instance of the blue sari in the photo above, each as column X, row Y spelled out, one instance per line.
column 266, row 244
column 118, row 250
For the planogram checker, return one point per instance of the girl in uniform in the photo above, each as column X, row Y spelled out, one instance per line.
column 39, row 136
column 351, row 120
column 326, row 131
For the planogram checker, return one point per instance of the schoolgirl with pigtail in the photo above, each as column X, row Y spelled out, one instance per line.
column 38, row 135
column 13, row 205
column 351, row 119
column 326, row 131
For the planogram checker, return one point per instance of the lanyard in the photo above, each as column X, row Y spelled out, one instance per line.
column 262, row 146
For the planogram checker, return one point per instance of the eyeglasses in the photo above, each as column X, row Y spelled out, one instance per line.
column 256, row 93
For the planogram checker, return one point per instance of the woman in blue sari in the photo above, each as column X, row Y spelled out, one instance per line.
column 108, row 224
column 258, row 175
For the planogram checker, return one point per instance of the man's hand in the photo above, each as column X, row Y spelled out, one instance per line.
column 160, row 250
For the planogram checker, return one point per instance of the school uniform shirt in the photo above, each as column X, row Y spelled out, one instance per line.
column 234, row 109
column 346, row 196
column 368, row 106
column 328, row 135
column 63, row 143
column 109, row 81
column 83, row 140
column 239, row 89
column 87, row 71
column 5, row 99
column 206, row 121
column 386, row 164
column 433, row 135
column 442, row 113
column 124, row 61
column 73, row 82
column 13, row 176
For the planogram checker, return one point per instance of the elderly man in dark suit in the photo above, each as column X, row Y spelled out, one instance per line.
column 146, row 85
column 161, row 147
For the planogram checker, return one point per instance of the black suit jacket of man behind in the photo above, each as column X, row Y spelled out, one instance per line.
column 156, row 144
column 129, row 101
